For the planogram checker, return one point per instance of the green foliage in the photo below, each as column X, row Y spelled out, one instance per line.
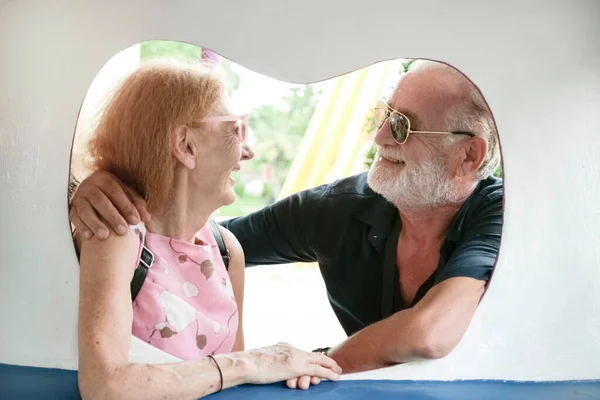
column 243, row 205
column 187, row 53
column 406, row 66
column 239, row 188
column 498, row 172
column 177, row 50
column 369, row 125
column 370, row 156
column 279, row 129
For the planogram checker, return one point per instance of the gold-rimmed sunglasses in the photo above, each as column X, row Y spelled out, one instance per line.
column 400, row 124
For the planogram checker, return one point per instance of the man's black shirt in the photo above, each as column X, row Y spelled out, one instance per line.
column 352, row 232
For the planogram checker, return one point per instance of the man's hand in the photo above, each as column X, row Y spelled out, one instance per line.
column 102, row 196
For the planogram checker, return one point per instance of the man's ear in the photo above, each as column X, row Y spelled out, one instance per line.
column 473, row 156
column 183, row 146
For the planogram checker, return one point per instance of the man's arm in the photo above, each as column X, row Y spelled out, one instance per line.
column 280, row 233
column 429, row 330
column 436, row 324
column 283, row 232
column 102, row 201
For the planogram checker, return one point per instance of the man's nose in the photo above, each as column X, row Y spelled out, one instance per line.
column 383, row 136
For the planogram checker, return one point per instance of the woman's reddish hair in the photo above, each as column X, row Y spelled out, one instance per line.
column 133, row 137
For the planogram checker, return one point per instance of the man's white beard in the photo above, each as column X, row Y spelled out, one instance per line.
column 416, row 187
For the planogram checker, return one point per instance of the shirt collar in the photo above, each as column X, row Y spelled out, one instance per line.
column 457, row 226
column 380, row 215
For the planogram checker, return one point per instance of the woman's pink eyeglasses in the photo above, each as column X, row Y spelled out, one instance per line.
column 240, row 120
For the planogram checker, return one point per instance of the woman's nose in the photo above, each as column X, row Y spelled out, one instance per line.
column 247, row 152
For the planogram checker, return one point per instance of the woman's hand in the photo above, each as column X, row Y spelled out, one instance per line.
column 103, row 196
column 298, row 368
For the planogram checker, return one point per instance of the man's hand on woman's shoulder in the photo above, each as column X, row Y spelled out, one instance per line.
column 103, row 197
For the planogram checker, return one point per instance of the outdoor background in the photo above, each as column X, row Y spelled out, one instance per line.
column 303, row 136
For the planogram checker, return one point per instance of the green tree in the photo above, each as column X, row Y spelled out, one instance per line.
column 188, row 53
column 406, row 66
column 498, row 172
column 279, row 129
column 163, row 48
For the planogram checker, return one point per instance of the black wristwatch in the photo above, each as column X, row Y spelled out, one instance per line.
column 322, row 350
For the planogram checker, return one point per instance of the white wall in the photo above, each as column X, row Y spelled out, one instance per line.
column 537, row 63
column 111, row 73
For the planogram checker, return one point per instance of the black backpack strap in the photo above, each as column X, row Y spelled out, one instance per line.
column 147, row 259
column 220, row 242
column 139, row 276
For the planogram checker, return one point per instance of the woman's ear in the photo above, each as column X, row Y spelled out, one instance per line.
column 183, row 146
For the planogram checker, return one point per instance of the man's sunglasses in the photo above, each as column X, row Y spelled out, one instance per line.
column 400, row 124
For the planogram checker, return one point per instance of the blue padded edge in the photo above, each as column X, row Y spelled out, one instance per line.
column 46, row 383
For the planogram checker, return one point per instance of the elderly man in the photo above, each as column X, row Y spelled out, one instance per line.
column 406, row 250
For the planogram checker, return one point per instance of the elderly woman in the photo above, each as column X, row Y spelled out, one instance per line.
column 168, row 133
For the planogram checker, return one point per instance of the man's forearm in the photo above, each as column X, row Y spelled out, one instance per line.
column 395, row 340
column 429, row 330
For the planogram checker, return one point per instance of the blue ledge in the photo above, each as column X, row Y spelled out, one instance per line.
column 44, row 383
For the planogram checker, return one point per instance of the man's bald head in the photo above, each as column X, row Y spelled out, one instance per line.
column 445, row 100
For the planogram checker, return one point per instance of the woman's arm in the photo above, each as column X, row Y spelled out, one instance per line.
column 105, row 318
column 236, row 274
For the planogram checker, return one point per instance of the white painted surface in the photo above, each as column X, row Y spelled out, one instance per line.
column 537, row 63
column 108, row 77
